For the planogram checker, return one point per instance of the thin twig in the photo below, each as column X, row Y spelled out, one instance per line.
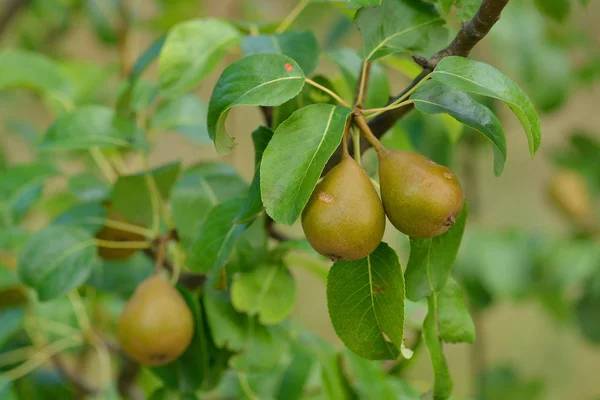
column 102, row 163
column 124, row 37
column 84, row 388
column 345, row 152
column 160, row 254
column 329, row 92
column 273, row 233
column 110, row 244
column 289, row 19
column 126, row 380
column 378, row 111
column 189, row 280
column 363, row 84
column 362, row 124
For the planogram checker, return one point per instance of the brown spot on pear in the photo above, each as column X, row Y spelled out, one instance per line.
column 344, row 217
column 156, row 326
column 421, row 198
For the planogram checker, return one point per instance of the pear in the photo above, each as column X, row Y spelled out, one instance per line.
column 570, row 194
column 156, row 326
column 422, row 199
column 116, row 235
column 344, row 217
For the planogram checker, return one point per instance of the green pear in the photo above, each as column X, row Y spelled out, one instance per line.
column 422, row 199
column 156, row 326
column 344, row 217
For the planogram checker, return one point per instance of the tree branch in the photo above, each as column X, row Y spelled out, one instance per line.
column 467, row 38
column 190, row 280
column 469, row 35
column 11, row 10
column 81, row 386
column 272, row 232
column 126, row 380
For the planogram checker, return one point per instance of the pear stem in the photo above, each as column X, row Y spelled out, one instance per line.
column 361, row 122
column 160, row 254
column 355, row 132
column 345, row 153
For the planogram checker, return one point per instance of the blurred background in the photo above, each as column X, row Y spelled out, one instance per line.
column 530, row 260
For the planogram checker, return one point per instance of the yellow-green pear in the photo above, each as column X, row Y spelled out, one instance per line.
column 570, row 194
column 344, row 217
column 421, row 198
column 156, row 326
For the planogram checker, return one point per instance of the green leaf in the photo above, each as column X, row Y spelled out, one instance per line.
column 268, row 290
column 256, row 346
column 497, row 264
column 88, row 187
column 476, row 77
column 250, row 249
column 336, row 384
column 147, row 57
column 370, row 379
column 127, row 99
column 87, row 78
column 254, row 205
column 185, row 114
column 466, row 9
column 431, row 260
column 187, row 373
column 442, row 386
column 56, row 260
column 92, row 125
column 454, row 321
column 538, row 62
column 296, row 374
column 143, row 94
column 398, row 25
column 362, row 3
column 558, row 10
column 434, row 98
column 132, row 197
column 348, row 61
column 20, row 68
column 11, row 321
column 296, row 156
column 257, row 80
column 351, row 4
column 104, row 17
column 366, row 303
column 8, row 278
column 198, row 191
column 12, row 238
column 446, row 5
column 20, row 187
column 87, row 216
column 587, row 309
column 121, row 276
column 191, row 51
column 503, row 382
column 212, row 247
column 301, row 46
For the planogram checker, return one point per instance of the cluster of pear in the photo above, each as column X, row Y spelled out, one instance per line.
column 345, row 218
column 156, row 326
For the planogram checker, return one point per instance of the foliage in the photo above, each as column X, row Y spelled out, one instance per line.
column 219, row 238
